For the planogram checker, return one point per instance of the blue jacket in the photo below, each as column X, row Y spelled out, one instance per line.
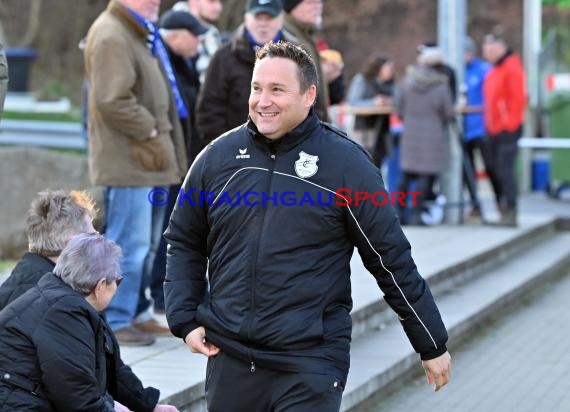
column 475, row 73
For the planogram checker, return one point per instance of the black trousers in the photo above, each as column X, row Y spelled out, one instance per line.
column 484, row 145
column 503, row 150
column 232, row 386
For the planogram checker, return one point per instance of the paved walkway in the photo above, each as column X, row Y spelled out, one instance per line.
column 518, row 363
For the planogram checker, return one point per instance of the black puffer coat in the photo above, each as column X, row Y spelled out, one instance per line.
column 52, row 352
column 28, row 271
column 123, row 385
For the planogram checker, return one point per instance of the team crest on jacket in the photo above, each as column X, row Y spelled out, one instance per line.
column 306, row 166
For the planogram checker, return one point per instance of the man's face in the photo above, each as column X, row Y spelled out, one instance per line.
column 149, row 9
column 207, row 10
column 493, row 51
column 262, row 26
column 309, row 11
column 276, row 103
column 183, row 43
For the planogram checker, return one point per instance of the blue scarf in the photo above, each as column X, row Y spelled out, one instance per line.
column 157, row 48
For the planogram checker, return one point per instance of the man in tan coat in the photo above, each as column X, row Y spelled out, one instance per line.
column 3, row 78
column 136, row 144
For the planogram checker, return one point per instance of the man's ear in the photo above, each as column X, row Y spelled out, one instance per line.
column 310, row 95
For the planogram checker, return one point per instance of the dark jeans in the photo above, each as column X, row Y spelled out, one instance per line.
column 469, row 172
column 424, row 185
column 232, row 386
column 157, row 269
column 503, row 150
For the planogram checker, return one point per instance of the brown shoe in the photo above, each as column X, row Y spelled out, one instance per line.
column 508, row 219
column 130, row 336
column 153, row 327
column 474, row 216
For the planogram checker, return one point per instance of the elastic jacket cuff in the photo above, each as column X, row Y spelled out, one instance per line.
column 432, row 355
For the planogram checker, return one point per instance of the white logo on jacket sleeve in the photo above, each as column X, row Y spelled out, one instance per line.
column 306, row 166
column 242, row 154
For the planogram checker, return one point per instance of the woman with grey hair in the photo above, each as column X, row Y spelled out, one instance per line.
column 54, row 217
column 52, row 339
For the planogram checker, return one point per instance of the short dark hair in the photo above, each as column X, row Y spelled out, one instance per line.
column 497, row 35
column 492, row 38
column 306, row 69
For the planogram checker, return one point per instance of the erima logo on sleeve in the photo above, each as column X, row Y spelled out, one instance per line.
column 306, row 166
column 243, row 154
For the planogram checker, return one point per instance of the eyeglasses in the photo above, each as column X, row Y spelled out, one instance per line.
column 118, row 280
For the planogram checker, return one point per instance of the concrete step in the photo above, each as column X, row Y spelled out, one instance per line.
column 378, row 358
column 450, row 257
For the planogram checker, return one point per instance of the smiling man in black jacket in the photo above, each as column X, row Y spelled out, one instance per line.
column 270, row 210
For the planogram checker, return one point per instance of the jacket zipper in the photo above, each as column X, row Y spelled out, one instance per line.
column 251, row 361
column 254, row 272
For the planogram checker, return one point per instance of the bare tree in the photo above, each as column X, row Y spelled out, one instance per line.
column 33, row 24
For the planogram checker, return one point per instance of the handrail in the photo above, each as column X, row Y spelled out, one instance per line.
column 63, row 135
column 388, row 109
column 544, row 142
column 527, row 145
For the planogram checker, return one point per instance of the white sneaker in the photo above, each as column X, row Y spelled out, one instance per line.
column 434, row 215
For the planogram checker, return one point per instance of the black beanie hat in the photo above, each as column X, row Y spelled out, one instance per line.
column 289, row 5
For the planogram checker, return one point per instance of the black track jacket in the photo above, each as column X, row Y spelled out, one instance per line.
column 265, row 221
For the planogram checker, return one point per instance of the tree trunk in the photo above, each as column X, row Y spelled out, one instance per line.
column 33, row 24
column 232, row 15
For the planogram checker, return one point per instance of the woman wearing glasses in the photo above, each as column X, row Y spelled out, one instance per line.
column 52, row 339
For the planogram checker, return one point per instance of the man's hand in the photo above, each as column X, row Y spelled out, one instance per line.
column 196, row 341
column 165, row 408
column 438, row 370
column 121, row 408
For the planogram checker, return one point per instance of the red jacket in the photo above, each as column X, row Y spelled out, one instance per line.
column 505, row 96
